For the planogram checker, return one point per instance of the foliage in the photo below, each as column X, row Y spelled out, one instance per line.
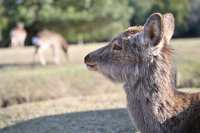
column 94, row 20
column 194, row 19
column 180, row 9
column 77, row 20
column 141, row 9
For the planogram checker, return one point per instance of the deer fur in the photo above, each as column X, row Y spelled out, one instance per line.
column 45, row 40
column 140, row 58
column 18, row 36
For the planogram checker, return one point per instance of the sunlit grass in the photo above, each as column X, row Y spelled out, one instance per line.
column 71, row 86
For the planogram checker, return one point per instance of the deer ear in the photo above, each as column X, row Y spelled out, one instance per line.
column 153, row 29
column 168, row 22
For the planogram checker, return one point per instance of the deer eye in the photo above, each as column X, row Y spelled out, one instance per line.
column 117, row 47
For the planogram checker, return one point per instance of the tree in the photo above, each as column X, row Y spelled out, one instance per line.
column 180, row 9
column 90, row 20
column 194, row 19
column 141, row 9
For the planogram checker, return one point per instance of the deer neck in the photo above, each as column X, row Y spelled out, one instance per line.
column 150, row 98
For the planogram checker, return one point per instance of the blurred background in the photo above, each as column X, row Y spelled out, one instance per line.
column 40, row 87
column 93, row 20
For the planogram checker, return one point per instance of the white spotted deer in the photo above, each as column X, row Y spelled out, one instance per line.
column 18, row 36
column 49, row 40
column 141, row 59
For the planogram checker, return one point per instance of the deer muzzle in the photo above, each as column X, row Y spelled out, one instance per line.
column 91, row 65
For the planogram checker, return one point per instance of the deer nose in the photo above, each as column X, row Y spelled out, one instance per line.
column 91, row 65
column 87, row 59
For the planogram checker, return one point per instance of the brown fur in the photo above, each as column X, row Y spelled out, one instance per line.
column 18, row 36
column 47, row 39
column 140, row 58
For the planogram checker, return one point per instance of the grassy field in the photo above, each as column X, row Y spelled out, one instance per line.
column 51, row 90
column 22, row 81
column 187, row 55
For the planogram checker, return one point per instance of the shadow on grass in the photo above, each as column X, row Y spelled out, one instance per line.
column 100, row 121
column 24, row 65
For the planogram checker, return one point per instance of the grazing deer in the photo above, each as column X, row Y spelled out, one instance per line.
column 141, row 58
column 18, row 36
column 47, row 39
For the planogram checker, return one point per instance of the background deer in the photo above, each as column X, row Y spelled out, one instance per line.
column 18, row 35
column 49, row 40
column 141, row 59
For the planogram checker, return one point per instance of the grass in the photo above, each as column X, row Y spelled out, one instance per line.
column 71, row 87
column 187, row 60
column 22, row 81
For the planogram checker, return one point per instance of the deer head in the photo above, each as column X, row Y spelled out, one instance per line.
column 132, row 52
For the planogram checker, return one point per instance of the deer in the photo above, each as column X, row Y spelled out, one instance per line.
column 45, row 40
column 141, row 59
column 18, row 35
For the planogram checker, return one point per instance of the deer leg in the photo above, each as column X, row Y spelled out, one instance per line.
column 35, row 54
column 56, row 56
column 21, row 43
column 13, row 43
column 41, row 56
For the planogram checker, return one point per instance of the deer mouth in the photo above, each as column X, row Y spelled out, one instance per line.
column 91, row 66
